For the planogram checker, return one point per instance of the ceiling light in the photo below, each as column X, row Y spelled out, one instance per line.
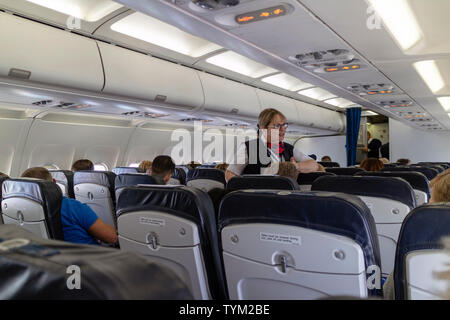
column 317, row 94
column 235, row 62
column 445, row 102
column 286, row 82
column 87, row 10
column 400, row 20
column 369, row 113
column 429, row 72
column 154, row 31
column 340, row 102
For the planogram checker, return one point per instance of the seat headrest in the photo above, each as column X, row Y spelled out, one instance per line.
column 46, row 193
column 206, row 173
column 180, row 175
column 329, row 164
column 430, row 173
column 64, row 177
column 312, row 210
column 188, row 203
column 2, row 179
column 308, row 178
column 120, row 170
column 381, row 187
column 256, row 181
column 103, row 178
column 423, row 228
column 344, row 171
column 417, row 180
column 133, row 179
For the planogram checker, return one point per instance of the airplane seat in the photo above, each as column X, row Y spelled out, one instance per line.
column 178, row 177
column 390, row 165
column 34, row 268
column 96, row 189
column 2, row 179
column 329, row 164
column 207, row 166
column 420, row 254
column 305, row 180
column 64, row 179
column 289, row 245
column 176, row 226
column 417, row 180
column 271, row 182
column 120, row 170
column 348, row 171
column 184, row 168
column 131, row 179
column 430, row 173
column 206, row 179
column 389, row 199
column 34, row 205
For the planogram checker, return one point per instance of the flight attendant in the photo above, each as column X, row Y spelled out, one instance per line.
column 262, row 155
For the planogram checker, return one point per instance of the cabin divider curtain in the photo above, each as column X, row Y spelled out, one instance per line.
column 353, row 120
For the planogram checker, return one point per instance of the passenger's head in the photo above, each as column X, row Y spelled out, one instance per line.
column 274, row 122
column 222, row 166
column 312, row 156
column 440, row 187
column 326, row 159
column 145, row 166
column 371, row 164
column 287, row 169
column 384, row 160
column 2, row 175
column 320, row 168
column 192, row 165
column 163, row 168
column 404, row 162
column 37, row 173
column 82, row 164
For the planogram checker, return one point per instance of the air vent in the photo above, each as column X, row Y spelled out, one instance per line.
column 372, row 89
column 195, row 119
column 237, row 125
column 328, row 61
column 215, row 4
column 411, row 114
column 43, row 103
column 19, row 74
column 395, row 103
column 420, row 119
column 144, row 114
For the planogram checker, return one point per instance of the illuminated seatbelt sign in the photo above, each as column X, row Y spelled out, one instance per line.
column 262, row 14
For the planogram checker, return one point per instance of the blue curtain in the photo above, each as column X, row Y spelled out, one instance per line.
column 353, row 120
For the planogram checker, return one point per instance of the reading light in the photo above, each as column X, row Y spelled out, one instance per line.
column 400, row 20
column 445, row 102
column 429, row 72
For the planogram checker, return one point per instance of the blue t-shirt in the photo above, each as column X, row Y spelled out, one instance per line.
column 76, row 218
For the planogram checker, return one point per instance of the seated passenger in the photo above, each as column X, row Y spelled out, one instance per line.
column 312, row 156
column 222, row 166
column 371, row 164
column 82, row 164
column 288, row 169
column 404, row 162
column 326, row 159
column 321, row 168
column 80, row 224
column 162, row 169
column 3, row 175
column 145, row 166
column 440, row 187
column 384, row 160
column 192, row 165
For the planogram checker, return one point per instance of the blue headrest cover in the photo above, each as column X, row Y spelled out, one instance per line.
column 423, row 228
column 383, row 187
column 335, row 213
column 64, row 177
column 188, row 203
column 417, row 180
column 430, row 173
column 46, row 193
column 103, row 178
column 120, row 170
column 180, row 175
column 204, row 173
column 133, row 179
column 308, row 178
column 344, row 171
column 250, row 181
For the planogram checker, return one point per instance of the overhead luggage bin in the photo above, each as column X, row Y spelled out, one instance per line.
column 39, row 53
column 316, row 117
column 229, row 97
column 132, row 74
column 281, row 103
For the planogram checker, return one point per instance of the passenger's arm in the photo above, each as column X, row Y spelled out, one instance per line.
column 229, row 175
column 103, row 232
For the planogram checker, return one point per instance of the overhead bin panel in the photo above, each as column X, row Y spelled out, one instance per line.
column 316, row 117
column 137, row 75
column 36, row 52
column 229, row 97
column 283, row 104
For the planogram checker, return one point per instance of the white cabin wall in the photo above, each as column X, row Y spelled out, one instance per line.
column 417, row 145
column 333, row 146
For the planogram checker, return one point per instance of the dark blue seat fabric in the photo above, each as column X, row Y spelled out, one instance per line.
column 344, row 171
column 254, row 181
column 308, row 178
column 329, row 164
column 133, row 179
column 423, row 228
column 312, row 210
column 180, row 175
column 46, row 193
column 64, row 177
column 445, row 165
column 120, row 170
column 206, row 173
column 188, row 203
column 417, row 180
column 430, row 173
column 386, row 187
column 102, row 178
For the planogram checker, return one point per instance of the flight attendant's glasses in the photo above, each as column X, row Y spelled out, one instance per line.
column 279, row 126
